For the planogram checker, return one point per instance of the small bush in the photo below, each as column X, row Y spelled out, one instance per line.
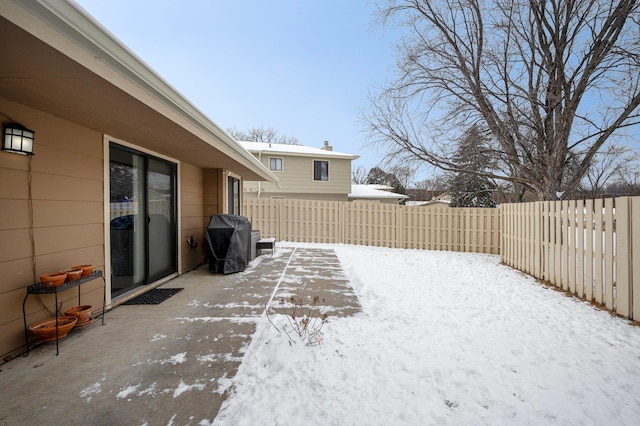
column 304, row 322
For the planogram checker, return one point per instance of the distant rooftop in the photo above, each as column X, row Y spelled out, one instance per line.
column 375, row 192
column 301, row 150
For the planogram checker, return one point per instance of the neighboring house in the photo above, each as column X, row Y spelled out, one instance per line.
column 125, row 170
column 376, row 193
column 442, row 200
column 432, row 203
column 303, row 172
column 422, row 194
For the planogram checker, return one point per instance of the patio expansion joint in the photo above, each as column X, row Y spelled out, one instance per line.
column 275, row 290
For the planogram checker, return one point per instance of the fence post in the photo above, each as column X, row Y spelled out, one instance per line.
column 399, row 212
column 281, row 219
column 623, row 265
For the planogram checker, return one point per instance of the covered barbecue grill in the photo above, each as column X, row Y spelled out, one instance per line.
column 229, row 238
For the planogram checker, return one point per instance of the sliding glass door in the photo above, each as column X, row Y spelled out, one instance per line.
column 143, row 218
column 162, row 248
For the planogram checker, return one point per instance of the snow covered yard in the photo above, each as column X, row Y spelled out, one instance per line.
column 444, row 338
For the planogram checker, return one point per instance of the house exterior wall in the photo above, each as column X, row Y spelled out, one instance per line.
column 213, row 185
column 191, row 221
column 296, row 179
column 53, row 222
column 52, row 215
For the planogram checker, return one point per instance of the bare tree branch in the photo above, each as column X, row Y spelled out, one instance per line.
column 261, row 134
column 550, row 81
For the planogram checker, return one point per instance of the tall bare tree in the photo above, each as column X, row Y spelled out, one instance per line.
column 612, row 161
column 627, row 177
column 549, row 80
column 261, row 134
column 430, row 188
column 359, row 175
column 404, row 174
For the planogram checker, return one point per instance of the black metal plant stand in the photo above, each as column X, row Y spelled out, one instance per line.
column 39, row 288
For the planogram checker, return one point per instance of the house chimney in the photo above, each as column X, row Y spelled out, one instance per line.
column 327, row 147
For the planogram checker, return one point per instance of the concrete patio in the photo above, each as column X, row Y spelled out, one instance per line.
column 169, row 363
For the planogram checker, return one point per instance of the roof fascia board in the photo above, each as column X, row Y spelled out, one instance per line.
column 305, row 154
column 68, row 28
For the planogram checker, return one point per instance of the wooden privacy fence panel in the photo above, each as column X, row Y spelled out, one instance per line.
column 586, row 247
column 459, row 229
column 376, row 224
column 370, row 224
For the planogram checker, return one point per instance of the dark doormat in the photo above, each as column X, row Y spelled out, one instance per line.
column 153, row 297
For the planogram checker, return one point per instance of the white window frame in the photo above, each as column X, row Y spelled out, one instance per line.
column 281, row 164
column 313, row 170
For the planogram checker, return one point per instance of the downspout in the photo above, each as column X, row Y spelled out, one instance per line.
column 259, row 182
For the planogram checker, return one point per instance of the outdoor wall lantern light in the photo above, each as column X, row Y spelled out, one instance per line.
column 17, row 138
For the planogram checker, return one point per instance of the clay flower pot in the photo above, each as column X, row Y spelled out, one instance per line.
column 82, row 312
column 86, row 269
column 46, row 329
column 53, row 280
column 72, row 274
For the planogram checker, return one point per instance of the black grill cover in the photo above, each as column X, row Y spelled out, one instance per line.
column 229, row 238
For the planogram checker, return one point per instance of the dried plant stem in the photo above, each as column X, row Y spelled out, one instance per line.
column 304, row 322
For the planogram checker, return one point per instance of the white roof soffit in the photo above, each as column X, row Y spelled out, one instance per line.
column 72, row 31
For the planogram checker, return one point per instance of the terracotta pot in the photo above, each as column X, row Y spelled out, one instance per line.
column 53, row 280
column 82, row 312
column 46, row 329
column 86, row 269
column 72, row 274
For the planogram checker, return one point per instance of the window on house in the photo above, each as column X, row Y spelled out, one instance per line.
column 233, row 195
column 275, row 164
column 321, row 170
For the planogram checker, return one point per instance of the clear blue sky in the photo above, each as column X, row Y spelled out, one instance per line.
column 301, row 67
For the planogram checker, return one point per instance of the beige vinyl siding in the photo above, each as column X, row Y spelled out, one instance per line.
column 213, row 193
column 191, row 220
column 296, row 179
column 67, row 204
column 67, row 201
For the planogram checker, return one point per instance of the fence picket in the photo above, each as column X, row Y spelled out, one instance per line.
column 608, row 253
column 599, row 252
column 579, row 249
column 547, row 248
column 589, row 249
column 557, row 218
